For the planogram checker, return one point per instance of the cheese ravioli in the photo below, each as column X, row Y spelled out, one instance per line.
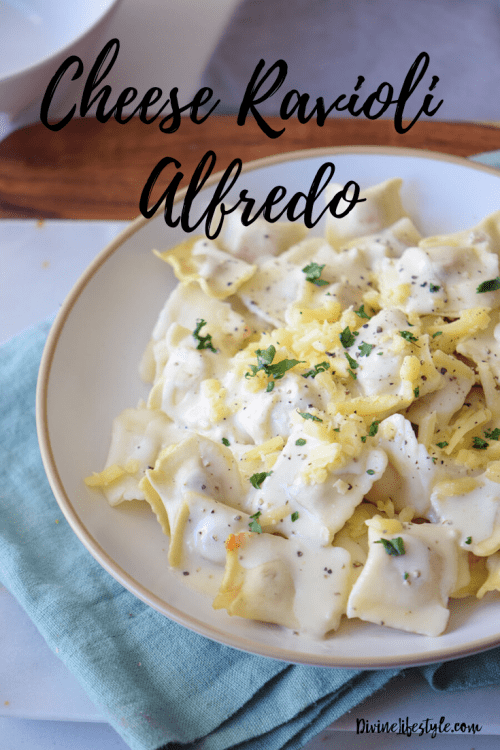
column 321, row 440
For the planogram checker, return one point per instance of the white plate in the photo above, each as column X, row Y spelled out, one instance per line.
column 89, row 374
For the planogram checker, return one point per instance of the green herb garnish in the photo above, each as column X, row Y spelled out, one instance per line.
column 489, row 286
column 307, row 415
column 225, row 441
column 468, row 540
column 492, row 434
column 264, row 363
column 372, row 430
column 365, row 349
column 408, row 336
column 416, row 391
column 204, row 342
column 442, row 445
column 295, row 515
column 438, row 333
column 479, row 443
column 393, row 546
column 361, row 313
column 300, row 441
column 434, row 288
column 257, row 479
column 255, row 525
column 353, row 365
column 370, row 472
column 321, row 367
column 313, row 272
column 348, row 337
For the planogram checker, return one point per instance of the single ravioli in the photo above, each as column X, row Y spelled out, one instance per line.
column 485, row 235
column 314, row 475
column 437, row 279
column 186, row 305
column 276, row 284
column 198, row 259
column 407, row 588
column 410, row 472
column 483, row 346
column 389, row 364
column 137, row 436
column 188, row 389
column 471, row 506
column 278, row 580
column 444, row 402
column 380, row 208
column 260, row 239
column 263, row 406
column 389, row 242
column 199, row 530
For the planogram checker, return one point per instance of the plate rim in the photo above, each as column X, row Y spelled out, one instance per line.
column 139, row 590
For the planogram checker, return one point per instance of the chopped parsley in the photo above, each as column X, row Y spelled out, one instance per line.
column 492, row 434
column 479, row 443
column 321, row 367
column 361, row 313
column 365, row 349
column 295, row 515
column 438, row 333
column 313, row 272
column 204, row 342
column 255, row 525
column 351, row 361
column 307, row 415
column 370, row 472
column 225, row 441
column 489, row 286
column 468, row 540
column 353, row 365
column 393, row 546
column 442, row 445
column 264, row 362
column 257, row 479
column 348, row 337
column 408, row 336
column 416, row 391
column 434, row 287
column 372, row 430
column 406, row 576
column 300, row 441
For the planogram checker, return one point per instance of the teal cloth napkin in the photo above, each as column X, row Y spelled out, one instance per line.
column 158, row 684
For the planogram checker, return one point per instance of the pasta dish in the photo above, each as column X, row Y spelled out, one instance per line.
column 321, row 438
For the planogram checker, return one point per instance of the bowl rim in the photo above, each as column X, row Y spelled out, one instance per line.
column 65, row 49
column 93, row 546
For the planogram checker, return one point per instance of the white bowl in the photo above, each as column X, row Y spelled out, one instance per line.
column 36, row 36
column 89, row 373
